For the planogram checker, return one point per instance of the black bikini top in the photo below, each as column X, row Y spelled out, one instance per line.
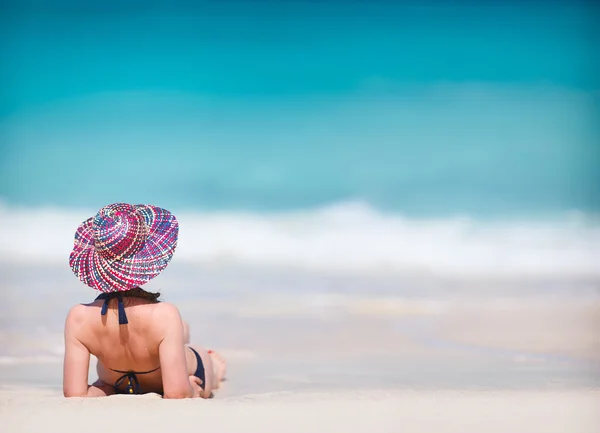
column 133, row 384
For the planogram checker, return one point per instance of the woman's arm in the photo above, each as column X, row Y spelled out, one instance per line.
column 171, row 352
column 77, row 359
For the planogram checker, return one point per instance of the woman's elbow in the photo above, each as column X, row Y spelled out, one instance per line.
column 177, row 389
column 69, row 393
column 176, row 395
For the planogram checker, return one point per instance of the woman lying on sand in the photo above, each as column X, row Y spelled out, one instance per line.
column 140, row 342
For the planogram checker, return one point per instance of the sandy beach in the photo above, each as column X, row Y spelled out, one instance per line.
column 24, row 410
column 322, row 356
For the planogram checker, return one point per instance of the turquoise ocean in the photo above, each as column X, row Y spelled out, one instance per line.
column 378, row 142
column 434, row 134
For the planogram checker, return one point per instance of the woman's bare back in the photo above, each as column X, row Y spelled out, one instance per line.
column 152, row 345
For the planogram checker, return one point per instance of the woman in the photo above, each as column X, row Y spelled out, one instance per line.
column 140, row 342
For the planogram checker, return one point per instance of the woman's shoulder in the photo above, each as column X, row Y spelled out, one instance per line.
column 77, row 312
column 81, row 313
column 80, row 310
column 165, row 319
column 77, row 318
column 166, row 310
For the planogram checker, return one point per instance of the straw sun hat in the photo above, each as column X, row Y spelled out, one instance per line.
column 123, row 246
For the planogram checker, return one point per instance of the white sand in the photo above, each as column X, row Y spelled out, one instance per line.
column 23, row 410
column 354, row 362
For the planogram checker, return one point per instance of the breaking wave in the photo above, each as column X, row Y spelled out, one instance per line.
column 346, row 237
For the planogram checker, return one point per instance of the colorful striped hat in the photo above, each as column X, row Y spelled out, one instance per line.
column 124, row 246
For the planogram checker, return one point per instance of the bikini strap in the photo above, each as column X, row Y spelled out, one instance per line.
column 122, row 316
column 121, row 307
column 135, row 372
column 133, row 384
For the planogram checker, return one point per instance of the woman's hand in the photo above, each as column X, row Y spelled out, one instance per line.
column 196, row 382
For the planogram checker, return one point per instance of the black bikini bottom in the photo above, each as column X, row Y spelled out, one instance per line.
column 199, row 373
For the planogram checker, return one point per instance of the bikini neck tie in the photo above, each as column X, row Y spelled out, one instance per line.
column 120, row 306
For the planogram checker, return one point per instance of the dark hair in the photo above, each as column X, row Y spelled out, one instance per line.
column 138, row 292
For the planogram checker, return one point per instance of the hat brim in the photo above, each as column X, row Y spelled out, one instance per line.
column 127, row 272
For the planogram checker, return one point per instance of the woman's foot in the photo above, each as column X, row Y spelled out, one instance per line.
column 219, row 367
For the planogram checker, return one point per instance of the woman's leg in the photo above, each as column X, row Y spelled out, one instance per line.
column 214, row 369
column 214, row 364
column 219, row 367
column 186, row 333
column 101, row 389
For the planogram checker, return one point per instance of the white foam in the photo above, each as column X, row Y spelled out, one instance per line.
column 345, row 237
